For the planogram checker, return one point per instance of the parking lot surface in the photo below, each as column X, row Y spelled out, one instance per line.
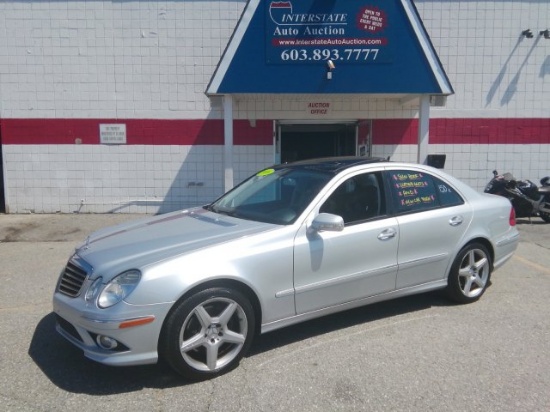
column 420, row 353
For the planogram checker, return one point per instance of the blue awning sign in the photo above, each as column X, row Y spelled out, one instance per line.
column 287, row 46
column 352, row 35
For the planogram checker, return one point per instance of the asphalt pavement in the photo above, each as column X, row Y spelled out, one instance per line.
column 420, row 353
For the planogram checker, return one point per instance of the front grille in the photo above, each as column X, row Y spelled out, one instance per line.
column 72, row 279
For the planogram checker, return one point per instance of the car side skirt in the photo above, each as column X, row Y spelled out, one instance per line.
column 425, row 287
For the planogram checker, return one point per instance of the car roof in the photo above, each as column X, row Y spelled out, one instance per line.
column 331, row 164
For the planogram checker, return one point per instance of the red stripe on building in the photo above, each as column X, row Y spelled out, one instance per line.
column 138, row 131
column 490, row 131
column 210, row 132
column 261, row 134
column 394, row 131
column 464, row 131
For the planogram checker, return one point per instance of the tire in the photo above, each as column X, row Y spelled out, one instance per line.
column 208, row 333
column 470, row 274
column 543, row 215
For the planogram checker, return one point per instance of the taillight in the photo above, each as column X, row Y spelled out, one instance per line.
column 512, row 217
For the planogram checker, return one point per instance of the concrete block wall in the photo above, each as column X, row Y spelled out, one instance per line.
column 153, row 60
column 473, row 164
column 101, row 179
column 107, row 59
column 496, row 72
column 112, row 60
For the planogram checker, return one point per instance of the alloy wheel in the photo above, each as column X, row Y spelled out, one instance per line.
column 473, row 273
column 213, row 334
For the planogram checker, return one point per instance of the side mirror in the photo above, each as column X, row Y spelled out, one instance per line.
column 327, row 222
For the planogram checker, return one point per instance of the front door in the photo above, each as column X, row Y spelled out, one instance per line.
column 331, row 268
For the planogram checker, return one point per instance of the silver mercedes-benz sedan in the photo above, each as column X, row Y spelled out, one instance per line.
column 291, row 243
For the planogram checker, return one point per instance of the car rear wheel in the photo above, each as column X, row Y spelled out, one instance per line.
column 470, row 274
column 208, row 333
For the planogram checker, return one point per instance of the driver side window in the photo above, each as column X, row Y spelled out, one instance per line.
column 357, row 199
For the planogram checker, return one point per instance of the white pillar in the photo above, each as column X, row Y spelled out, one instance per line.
column 228, row 141
column 423, row 129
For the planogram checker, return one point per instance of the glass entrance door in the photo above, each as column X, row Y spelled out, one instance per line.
column 308, row 141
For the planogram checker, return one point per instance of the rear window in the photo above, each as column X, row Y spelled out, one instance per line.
column 447, row 194
column 414, row 191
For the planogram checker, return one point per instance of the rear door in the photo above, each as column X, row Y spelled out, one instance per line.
column 432, row 219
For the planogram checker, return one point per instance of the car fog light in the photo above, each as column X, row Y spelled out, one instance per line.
column 106, row 342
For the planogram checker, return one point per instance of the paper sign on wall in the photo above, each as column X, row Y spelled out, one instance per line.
column 112, row 133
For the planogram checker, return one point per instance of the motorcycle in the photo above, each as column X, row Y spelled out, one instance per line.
column 527, row 199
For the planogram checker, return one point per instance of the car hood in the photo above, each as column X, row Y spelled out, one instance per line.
column 136, row 244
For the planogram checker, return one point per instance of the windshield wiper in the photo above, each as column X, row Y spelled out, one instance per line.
column 220, row 211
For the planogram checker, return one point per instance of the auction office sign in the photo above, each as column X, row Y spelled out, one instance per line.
column 313, row 31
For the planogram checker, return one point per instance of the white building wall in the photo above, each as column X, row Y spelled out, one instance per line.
column 495, row 71
column 120, row 179
column 154, row 59
column 98, row 178
column 111, row 59
column 474, row 164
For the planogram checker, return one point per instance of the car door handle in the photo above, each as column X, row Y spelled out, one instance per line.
column 387, row 234
column 455, row 221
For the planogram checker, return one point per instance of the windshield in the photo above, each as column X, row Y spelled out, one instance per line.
column 273, row 195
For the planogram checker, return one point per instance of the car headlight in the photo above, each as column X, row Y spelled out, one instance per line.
column 93, row 290
column 118, row 288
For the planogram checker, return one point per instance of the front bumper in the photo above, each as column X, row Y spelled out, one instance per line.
column 136, row 329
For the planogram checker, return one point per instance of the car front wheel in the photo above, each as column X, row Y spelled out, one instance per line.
column 470, row 274
column 208, row 333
